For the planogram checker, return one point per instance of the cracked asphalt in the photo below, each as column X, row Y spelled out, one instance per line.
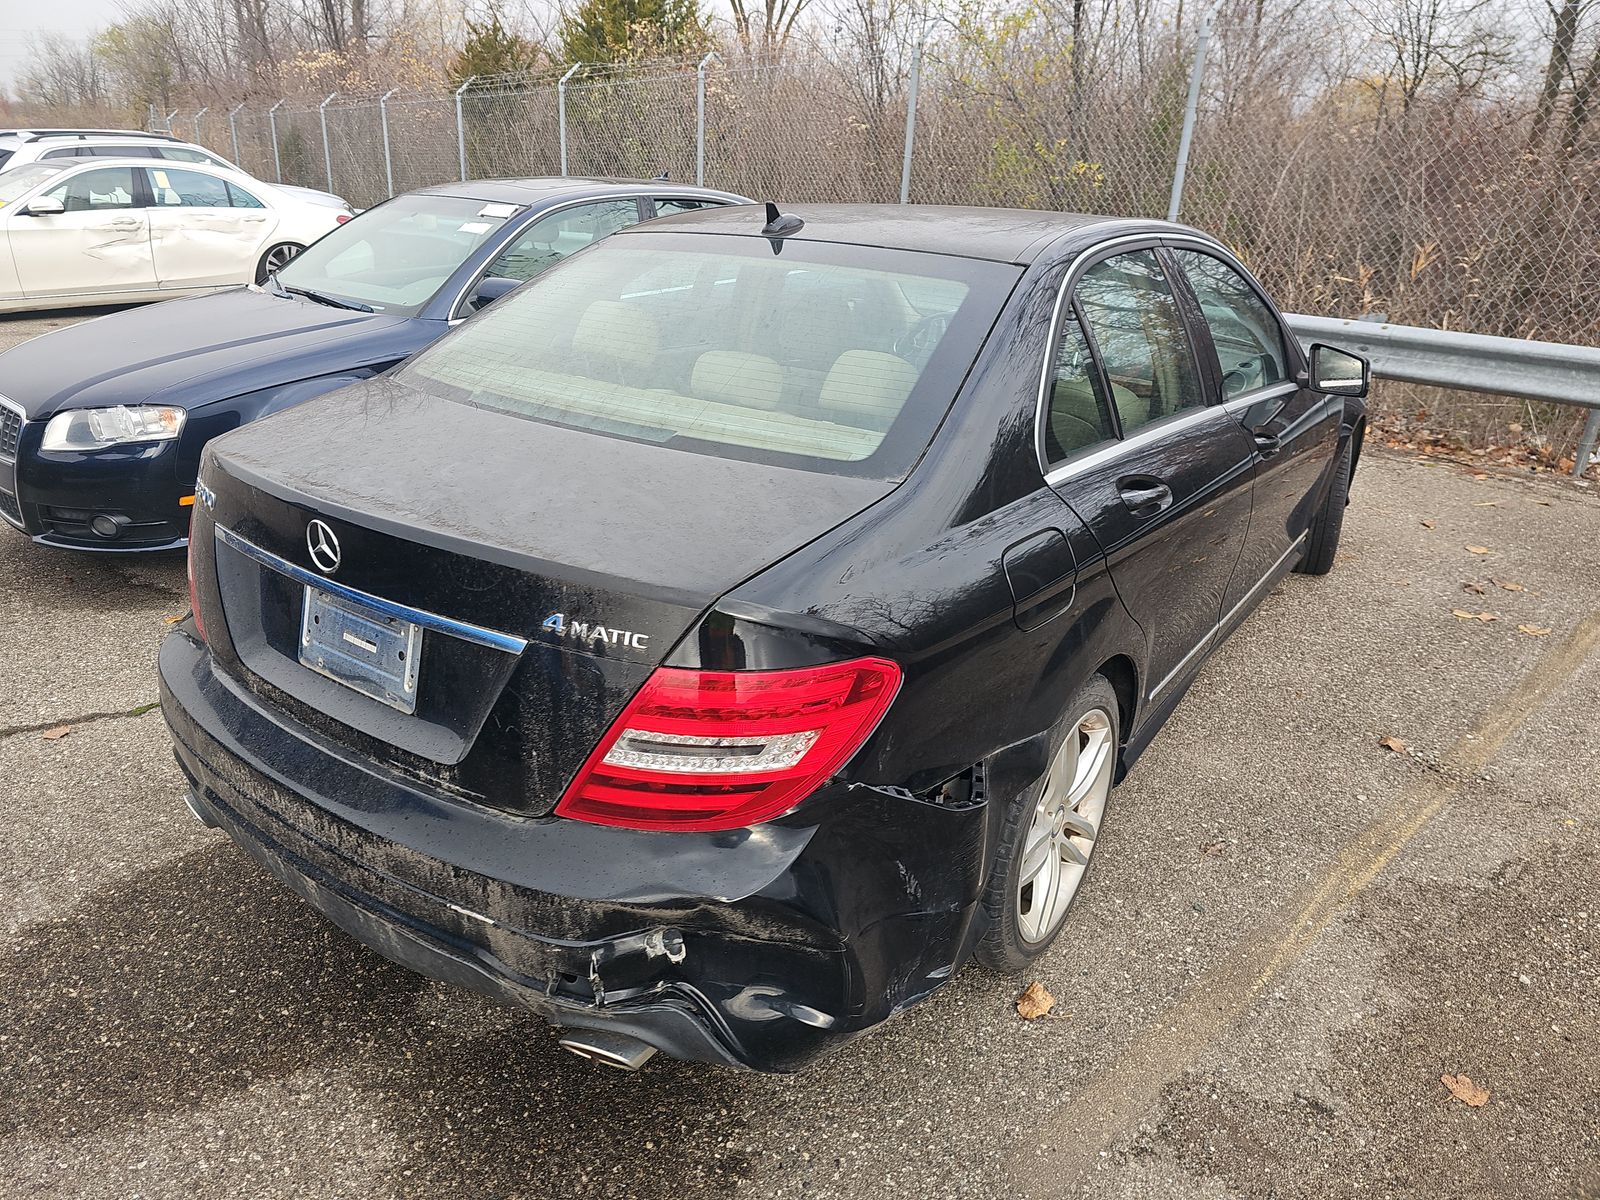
column 1290, row 934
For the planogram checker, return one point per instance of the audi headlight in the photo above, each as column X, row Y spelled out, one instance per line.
column 97, row 428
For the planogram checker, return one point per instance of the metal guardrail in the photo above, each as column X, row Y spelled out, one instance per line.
column 1471, row 362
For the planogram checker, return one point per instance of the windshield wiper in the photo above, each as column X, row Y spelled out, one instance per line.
column 330, row 301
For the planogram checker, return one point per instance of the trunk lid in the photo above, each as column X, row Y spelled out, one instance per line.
column 585, row 558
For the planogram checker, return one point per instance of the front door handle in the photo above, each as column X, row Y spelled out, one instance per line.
column 1144, row 495
column 1267, row 442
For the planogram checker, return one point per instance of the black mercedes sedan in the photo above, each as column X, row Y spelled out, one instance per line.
column 102, row 423
column 717, row 643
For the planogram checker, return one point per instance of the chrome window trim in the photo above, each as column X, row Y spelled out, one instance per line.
column 1154, row 237
column 1270, row 392
column 1103, row 452
column 1272, row 572
column 467, row 632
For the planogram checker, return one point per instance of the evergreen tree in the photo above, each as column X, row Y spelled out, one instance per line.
column 492, row 49
column 630, row 30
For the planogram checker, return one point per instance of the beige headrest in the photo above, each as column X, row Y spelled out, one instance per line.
column 611, row 329
column 728, row 377
column 868, row 384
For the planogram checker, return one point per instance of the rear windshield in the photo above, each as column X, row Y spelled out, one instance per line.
column 394, row 257
column 825, row 357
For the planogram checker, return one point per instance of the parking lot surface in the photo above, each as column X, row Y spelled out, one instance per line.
column 1291, row 933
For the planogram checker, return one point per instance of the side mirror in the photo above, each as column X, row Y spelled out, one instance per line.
column 1338, row 372
column 45, row 206
column 490, row 288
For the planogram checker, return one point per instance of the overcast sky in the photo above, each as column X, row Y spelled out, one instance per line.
column 71, row 18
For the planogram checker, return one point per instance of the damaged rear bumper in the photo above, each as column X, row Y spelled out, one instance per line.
column 757, row 948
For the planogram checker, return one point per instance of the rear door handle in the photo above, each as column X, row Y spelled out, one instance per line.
column 1144, row 495
column 1267, row 442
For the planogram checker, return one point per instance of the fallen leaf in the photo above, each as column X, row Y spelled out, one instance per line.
column 1486, row 504
column 1035, row 1002
column 1463, row 1089
column 1534, row 630
column 1428, row 524
column 1462, row 614
column 1480, row 477
column 176, row 619
column 1506, row 585
column 1477, row 589
column 1392, row 743
column 56, row 734
column 1477, row 549
column 1214, row 849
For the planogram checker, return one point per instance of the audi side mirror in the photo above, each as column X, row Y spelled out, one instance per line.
column 1338, row 372
column 489, row 289
column 45, row 206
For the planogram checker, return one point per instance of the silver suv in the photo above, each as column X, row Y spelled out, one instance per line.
column 19, row 147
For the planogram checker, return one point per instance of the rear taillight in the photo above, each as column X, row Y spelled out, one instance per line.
column 724, row 749
column 194, row 600
column 343, row 217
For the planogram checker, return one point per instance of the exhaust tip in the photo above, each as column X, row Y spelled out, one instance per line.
column 195, row 811
column 615, row 1050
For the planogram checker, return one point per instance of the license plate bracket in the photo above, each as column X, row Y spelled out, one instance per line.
column 369, row 652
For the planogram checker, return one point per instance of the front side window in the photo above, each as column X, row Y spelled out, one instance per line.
column 1139, row 332
column 1248, row 338
column 100, row 190
column 550, row 239
column 395, row 256
column 1076, row 413
column 818, row 358
column 186, row 189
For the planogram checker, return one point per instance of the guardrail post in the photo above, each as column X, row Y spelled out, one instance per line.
column 461, row 128
column 1190, row 108
column 911, row 122
column 561, row 111
column 1586, row 444
column 388, row 159
column 272, row 125
column 233, row 132
column 700, row 118
column 327, row 150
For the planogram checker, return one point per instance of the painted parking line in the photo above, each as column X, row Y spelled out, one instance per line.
column 1115, row 1100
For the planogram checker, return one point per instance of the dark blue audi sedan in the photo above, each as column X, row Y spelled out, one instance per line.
column 102, row 423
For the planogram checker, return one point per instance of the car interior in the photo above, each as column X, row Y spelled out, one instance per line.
column 807, row 359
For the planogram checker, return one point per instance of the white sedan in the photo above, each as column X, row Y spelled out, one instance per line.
column 104, row 231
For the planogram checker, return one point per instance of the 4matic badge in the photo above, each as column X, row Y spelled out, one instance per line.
column 583, row 631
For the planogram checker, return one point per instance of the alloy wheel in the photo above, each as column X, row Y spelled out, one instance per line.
column 279, row 257
column 1065, row 823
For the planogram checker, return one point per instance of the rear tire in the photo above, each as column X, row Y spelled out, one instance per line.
column 1322, row 542
column 275, row 259
column 1050, row 833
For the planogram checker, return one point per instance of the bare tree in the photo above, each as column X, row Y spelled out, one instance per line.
column 767, row 22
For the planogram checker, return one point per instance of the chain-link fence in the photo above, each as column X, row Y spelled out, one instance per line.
column 1444, row 212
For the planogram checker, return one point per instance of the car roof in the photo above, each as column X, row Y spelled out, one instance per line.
column 1009, row 235
column 535, row 190
column 36, row 135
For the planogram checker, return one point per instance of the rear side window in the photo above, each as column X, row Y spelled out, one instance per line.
column 187, row 189
column 1144, row 346
column 816, row 358
column 1077, row 416
column 68, row 152
column 240, row 198
column 184, row 154
column 667, row 205
column 1246, row 334
column 550, row 239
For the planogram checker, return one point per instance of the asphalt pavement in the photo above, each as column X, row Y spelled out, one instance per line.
column 1291, row 933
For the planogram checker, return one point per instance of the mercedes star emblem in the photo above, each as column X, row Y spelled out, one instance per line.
column 324, row 546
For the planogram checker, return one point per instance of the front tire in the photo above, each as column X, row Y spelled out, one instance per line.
column 275, row 259
column 1322, row 542
column 1050, row 832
